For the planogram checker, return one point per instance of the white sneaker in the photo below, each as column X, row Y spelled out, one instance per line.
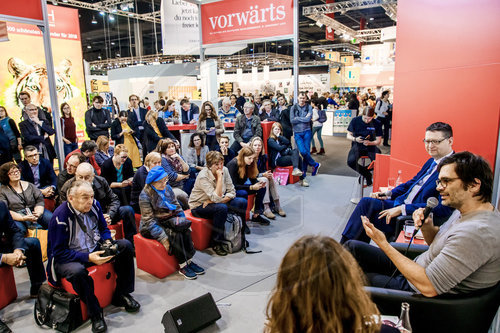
column 304, row 183
column 296, row 172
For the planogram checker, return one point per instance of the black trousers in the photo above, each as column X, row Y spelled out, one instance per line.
column 293, row 159
column 352, row 160
column 377, row 266
column 386, row 124
column 76, row 273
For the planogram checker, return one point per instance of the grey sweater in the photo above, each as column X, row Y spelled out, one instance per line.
column 300, row 117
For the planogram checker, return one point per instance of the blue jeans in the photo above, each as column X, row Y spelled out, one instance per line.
column 43, row 221
column 259, row 198
column 317, row 131
column 303, row 141
column 217, row 212
column 69, row 147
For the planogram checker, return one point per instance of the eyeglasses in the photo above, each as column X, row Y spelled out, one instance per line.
column 31, row 156
column 14, row 172
column 434, row 142
column 444, row 182
column 133, row 99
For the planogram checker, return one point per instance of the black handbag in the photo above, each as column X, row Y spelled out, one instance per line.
column 177, row 223
column 57, row 309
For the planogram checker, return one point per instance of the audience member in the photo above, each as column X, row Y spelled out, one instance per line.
column 283, row 115
column 24, row 200
column 196, row 152
column 224, row 149
column 176, row 168
column 240, row 100
column 213, row 196
column 25, row 99
column 162, row 219
column 407, row 197
column 12, row 132
column 463, row 254
column 37, row 132
column 234, row 100
column 136, row 117
column 266, row 112
column 154, row 130
column 243, row 171
column 77, row 234
column 87, row 149
column 38, row 171
column 382, row 109
column 353, row 103
column 246, row 127
column 365, row 134
column 97, row 119
column 265, row 175
column 119, row 172
column 68, row 173
column 281, row 153
column 110, row 204
column 227, row 113
column 319, row 288
column 210, row 125
column 152, row 159
column 104, row 150
column 168, row 111
column 68, row 127
column 121, row 133
column 5, row 152
column 257, row 102
column 115, row 107
column 317, row 126
column 300, row 117
column 188, row 112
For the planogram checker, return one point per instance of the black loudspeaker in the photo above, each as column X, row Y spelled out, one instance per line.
column 191, row 316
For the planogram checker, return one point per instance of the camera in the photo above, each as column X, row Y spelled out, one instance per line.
column 109, row 249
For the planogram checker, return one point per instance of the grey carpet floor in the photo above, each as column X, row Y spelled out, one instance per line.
column 240, row 283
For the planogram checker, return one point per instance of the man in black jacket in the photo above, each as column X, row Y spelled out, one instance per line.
column 39, row 171
column 97, row 119
column 246, row 127
column 109, row 201
column 136, row 116
column 188, row 110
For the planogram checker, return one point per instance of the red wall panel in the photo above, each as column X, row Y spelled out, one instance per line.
column 31, row 9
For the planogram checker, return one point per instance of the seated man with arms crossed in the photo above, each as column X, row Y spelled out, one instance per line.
column 463, row 255
column 77, row 233
column 409, row 196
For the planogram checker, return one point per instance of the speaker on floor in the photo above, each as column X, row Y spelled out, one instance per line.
column 191, row 316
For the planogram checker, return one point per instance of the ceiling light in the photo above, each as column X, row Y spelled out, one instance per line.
column 112, row 43
column 125, row 7
column 89, row 47
column 113, row 10
column 65, row 1
column 371, row 19
column 111, row 18
column 94, row 21
column 101, row 13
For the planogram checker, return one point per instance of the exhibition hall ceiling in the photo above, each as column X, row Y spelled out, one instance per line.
column 109, row 36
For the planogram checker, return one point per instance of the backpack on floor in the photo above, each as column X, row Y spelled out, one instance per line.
column 322, row 116
column 233, row 229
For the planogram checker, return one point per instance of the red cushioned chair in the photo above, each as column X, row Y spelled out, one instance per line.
column 137, row 221
column 152, row 257
column 250, row 204
column 201, row 231
column 104, row 277
column 118, row 227
column 50, row 204
column 8, row 291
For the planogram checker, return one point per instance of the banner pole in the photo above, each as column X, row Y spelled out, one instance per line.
column 296, row 51
column 202, row 51
column 49, row 63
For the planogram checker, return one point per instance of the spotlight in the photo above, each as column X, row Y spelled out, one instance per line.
column 101, row 13
column 94, row 21
column 111, row 18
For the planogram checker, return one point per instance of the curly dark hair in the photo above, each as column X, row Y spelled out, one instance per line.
column 4, row 172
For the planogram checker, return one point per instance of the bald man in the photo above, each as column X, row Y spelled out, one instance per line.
column 110, row 203
column 68, row 173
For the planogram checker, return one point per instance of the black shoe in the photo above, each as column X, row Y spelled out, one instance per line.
column 386, row 145
column 126, row 301
column 369, row 181
column 98, row 324
column 219, row 250
column 247, row 230
column 4, row 328
column 261, row 220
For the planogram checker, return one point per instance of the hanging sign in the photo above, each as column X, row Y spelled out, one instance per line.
column 250, row 20
column 30, row 9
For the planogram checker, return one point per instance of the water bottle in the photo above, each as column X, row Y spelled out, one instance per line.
column 399, row 181
column 404, row 319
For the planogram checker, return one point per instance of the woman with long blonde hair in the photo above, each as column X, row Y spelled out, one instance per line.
column 319, row 288
column 243, row 171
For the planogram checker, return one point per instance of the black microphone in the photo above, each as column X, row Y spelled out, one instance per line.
column 431, row 204
column 386, row 194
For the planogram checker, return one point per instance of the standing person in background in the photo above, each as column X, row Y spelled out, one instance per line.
column 234, row 102
column 68, row 128
column 155, row 129
column 227, row 113
column 319, row 288
column 97, row 120
column 382, row 110
column 136, row 118
column 116, row 107
column 123, row 134
column 188, row 111
column 37, row 132
column 25, row 99
column 224, row 149
column 12, row 132
column 353, row 103
column 240, row 100
column 146, row 104
column 300, row 117
column 283, row 115
column 316, row 129
column 257, row 103
column 210, row 125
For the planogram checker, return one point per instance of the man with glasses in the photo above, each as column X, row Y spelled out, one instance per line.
column 36, row 132
column 246, row 127
column 25, row 99
column 109, row 201
column 97, row 119
column 88, row 149
column 136, row 116
column 38, row 171
column 73, row 162
column 77, row 233
column 463, row 254
column 382, row 210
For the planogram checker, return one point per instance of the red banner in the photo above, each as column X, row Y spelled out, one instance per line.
column 237, row 20
column 31, row 9
column 63, row 23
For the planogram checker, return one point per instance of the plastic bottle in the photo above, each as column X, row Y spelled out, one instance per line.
column 404, row 319
column 399, row 181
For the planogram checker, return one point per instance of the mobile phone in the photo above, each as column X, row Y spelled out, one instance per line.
column 28, row 211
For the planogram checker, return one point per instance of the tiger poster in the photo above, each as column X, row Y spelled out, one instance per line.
column 22, row 65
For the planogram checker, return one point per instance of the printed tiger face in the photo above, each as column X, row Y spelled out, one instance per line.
column 33, row 79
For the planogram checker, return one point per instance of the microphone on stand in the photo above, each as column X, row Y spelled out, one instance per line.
column 431, row 204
